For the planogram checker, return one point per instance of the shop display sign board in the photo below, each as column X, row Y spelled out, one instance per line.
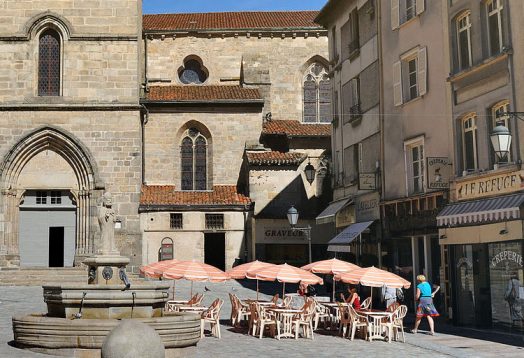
column 490, row 185
column 439, row 170
column 367, row 181
column 367, row 207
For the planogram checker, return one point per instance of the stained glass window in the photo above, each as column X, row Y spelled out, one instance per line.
column 193, row 155
column 49, row 64
column 193, row 72
column 317, row 95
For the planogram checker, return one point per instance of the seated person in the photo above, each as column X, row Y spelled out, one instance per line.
column 353, row 298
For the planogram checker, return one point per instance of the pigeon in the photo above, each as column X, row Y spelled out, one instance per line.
column 207, row 289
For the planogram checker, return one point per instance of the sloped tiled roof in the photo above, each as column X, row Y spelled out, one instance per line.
column 293, row 128
column 167, row 195
column 275, row 158
column 232, row 20
column 202, row 93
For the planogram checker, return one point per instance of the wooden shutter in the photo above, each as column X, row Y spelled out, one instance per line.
column 422, row 75
column 395, row 15
column 397, row 83
column 420, row 6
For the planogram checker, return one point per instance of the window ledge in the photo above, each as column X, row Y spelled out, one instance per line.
column 479, row 67
column 412, row 100
column 405, row 23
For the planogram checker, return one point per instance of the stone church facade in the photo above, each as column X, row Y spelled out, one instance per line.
column 159, row 110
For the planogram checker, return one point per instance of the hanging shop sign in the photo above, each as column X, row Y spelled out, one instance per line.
column 439, row 170
column 367, row 207
column 490, row 185
column 367, row 181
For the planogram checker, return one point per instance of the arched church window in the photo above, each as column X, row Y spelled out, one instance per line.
column 193, row 154
column 317, row 95
column 193, row 72
column 49, row 63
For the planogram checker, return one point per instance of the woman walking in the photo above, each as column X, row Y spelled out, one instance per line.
column 425, row 306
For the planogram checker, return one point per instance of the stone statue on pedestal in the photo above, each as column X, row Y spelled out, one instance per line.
column 106, row 220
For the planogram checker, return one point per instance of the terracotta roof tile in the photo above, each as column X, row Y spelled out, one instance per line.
column 166, row 195
column 293, row 128
column 202, row 93
column 232, row 20
column 275, row 158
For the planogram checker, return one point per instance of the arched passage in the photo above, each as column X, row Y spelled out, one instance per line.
column 85, row 182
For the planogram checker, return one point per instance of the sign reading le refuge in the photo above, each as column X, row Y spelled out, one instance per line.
column 490, row 185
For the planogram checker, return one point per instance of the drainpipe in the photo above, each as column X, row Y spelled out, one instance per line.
column 144, row 118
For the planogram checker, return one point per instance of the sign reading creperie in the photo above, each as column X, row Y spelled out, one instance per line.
column 490, row 185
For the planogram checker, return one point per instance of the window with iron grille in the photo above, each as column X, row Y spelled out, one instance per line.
column 49, row 64
column 175, row 221
column 56, row 197
column 214, row 221
column 41, row 197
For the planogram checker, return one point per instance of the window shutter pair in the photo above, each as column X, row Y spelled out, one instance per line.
column 422, row 64
column 395, row 11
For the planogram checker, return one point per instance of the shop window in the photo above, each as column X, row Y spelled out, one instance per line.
column 49, row 63
column 175, row 221
column 317, row 95
column 214, row 221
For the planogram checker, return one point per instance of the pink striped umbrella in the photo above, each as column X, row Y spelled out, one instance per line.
column 156, row 269
column 331, row 267
column 373, row 277
column 195, row 271
column 286, row 274
column 239, row 272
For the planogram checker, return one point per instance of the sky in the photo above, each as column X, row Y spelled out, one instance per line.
column 171, row 6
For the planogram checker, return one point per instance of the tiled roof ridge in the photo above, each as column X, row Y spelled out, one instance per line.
column 201, row 93
column 236, row 12
column 275, row 158
column 292, row 127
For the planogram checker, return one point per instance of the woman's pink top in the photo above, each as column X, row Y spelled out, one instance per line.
column 356, row 303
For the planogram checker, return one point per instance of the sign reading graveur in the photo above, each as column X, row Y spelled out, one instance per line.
column 490, row 185
column 438, row 172
column 283, row 233
column 367, row 207
column 367, row 181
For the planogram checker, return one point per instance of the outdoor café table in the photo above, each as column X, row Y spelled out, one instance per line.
column 376, row 318
column 285, row 316
column 195, row 309
column 262, row 303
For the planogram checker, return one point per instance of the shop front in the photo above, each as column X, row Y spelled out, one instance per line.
column 482, row 243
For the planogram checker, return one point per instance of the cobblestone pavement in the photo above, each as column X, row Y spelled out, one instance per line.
column 20, row 300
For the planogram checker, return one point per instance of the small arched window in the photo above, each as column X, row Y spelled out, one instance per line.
column 49, row 63
column 317, row 95
column 193, row 71
column 193, row 155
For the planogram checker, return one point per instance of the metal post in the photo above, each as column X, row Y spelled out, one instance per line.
column 308, row 233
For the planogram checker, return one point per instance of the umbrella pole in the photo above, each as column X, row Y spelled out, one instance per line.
column 371, row 303
column 334, row 288
column 257, row 289
column 191, row 290
column 283, row 289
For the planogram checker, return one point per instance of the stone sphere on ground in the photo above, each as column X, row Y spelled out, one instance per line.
column 133, row 339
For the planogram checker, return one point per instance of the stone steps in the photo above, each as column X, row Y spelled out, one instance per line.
column 41, row 276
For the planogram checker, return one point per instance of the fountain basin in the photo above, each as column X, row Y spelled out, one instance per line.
column 142, row 300
column 41, row 333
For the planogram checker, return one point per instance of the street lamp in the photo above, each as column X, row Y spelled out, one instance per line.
column 292, row 217
column 309, row 170
column 501, row 140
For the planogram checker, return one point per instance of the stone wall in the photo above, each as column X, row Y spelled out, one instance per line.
column 229, row 132
column 285, row 59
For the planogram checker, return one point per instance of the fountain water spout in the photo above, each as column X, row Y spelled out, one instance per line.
column 123, row 277
column 79, row 314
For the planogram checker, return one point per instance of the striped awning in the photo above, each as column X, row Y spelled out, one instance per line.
column 350, row 233
column 328, row 214
column 482, row 211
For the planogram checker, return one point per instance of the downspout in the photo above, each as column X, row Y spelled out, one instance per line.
column 144, row 118
column 380, row 170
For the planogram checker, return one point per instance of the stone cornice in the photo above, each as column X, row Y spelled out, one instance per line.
column 69, row 107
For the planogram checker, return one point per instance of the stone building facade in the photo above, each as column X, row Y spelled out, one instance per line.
column 158, row 110
column 74, row 136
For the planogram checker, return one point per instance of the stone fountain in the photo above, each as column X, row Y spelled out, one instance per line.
column 80, row 316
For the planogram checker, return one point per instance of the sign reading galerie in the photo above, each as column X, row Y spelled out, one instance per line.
column 492, row 185
column 438, row 172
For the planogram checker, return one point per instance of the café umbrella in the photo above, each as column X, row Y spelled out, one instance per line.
column 239, row 272
column 286, row 274
column 331, row 267
column 195, row 271
column 156, row 269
